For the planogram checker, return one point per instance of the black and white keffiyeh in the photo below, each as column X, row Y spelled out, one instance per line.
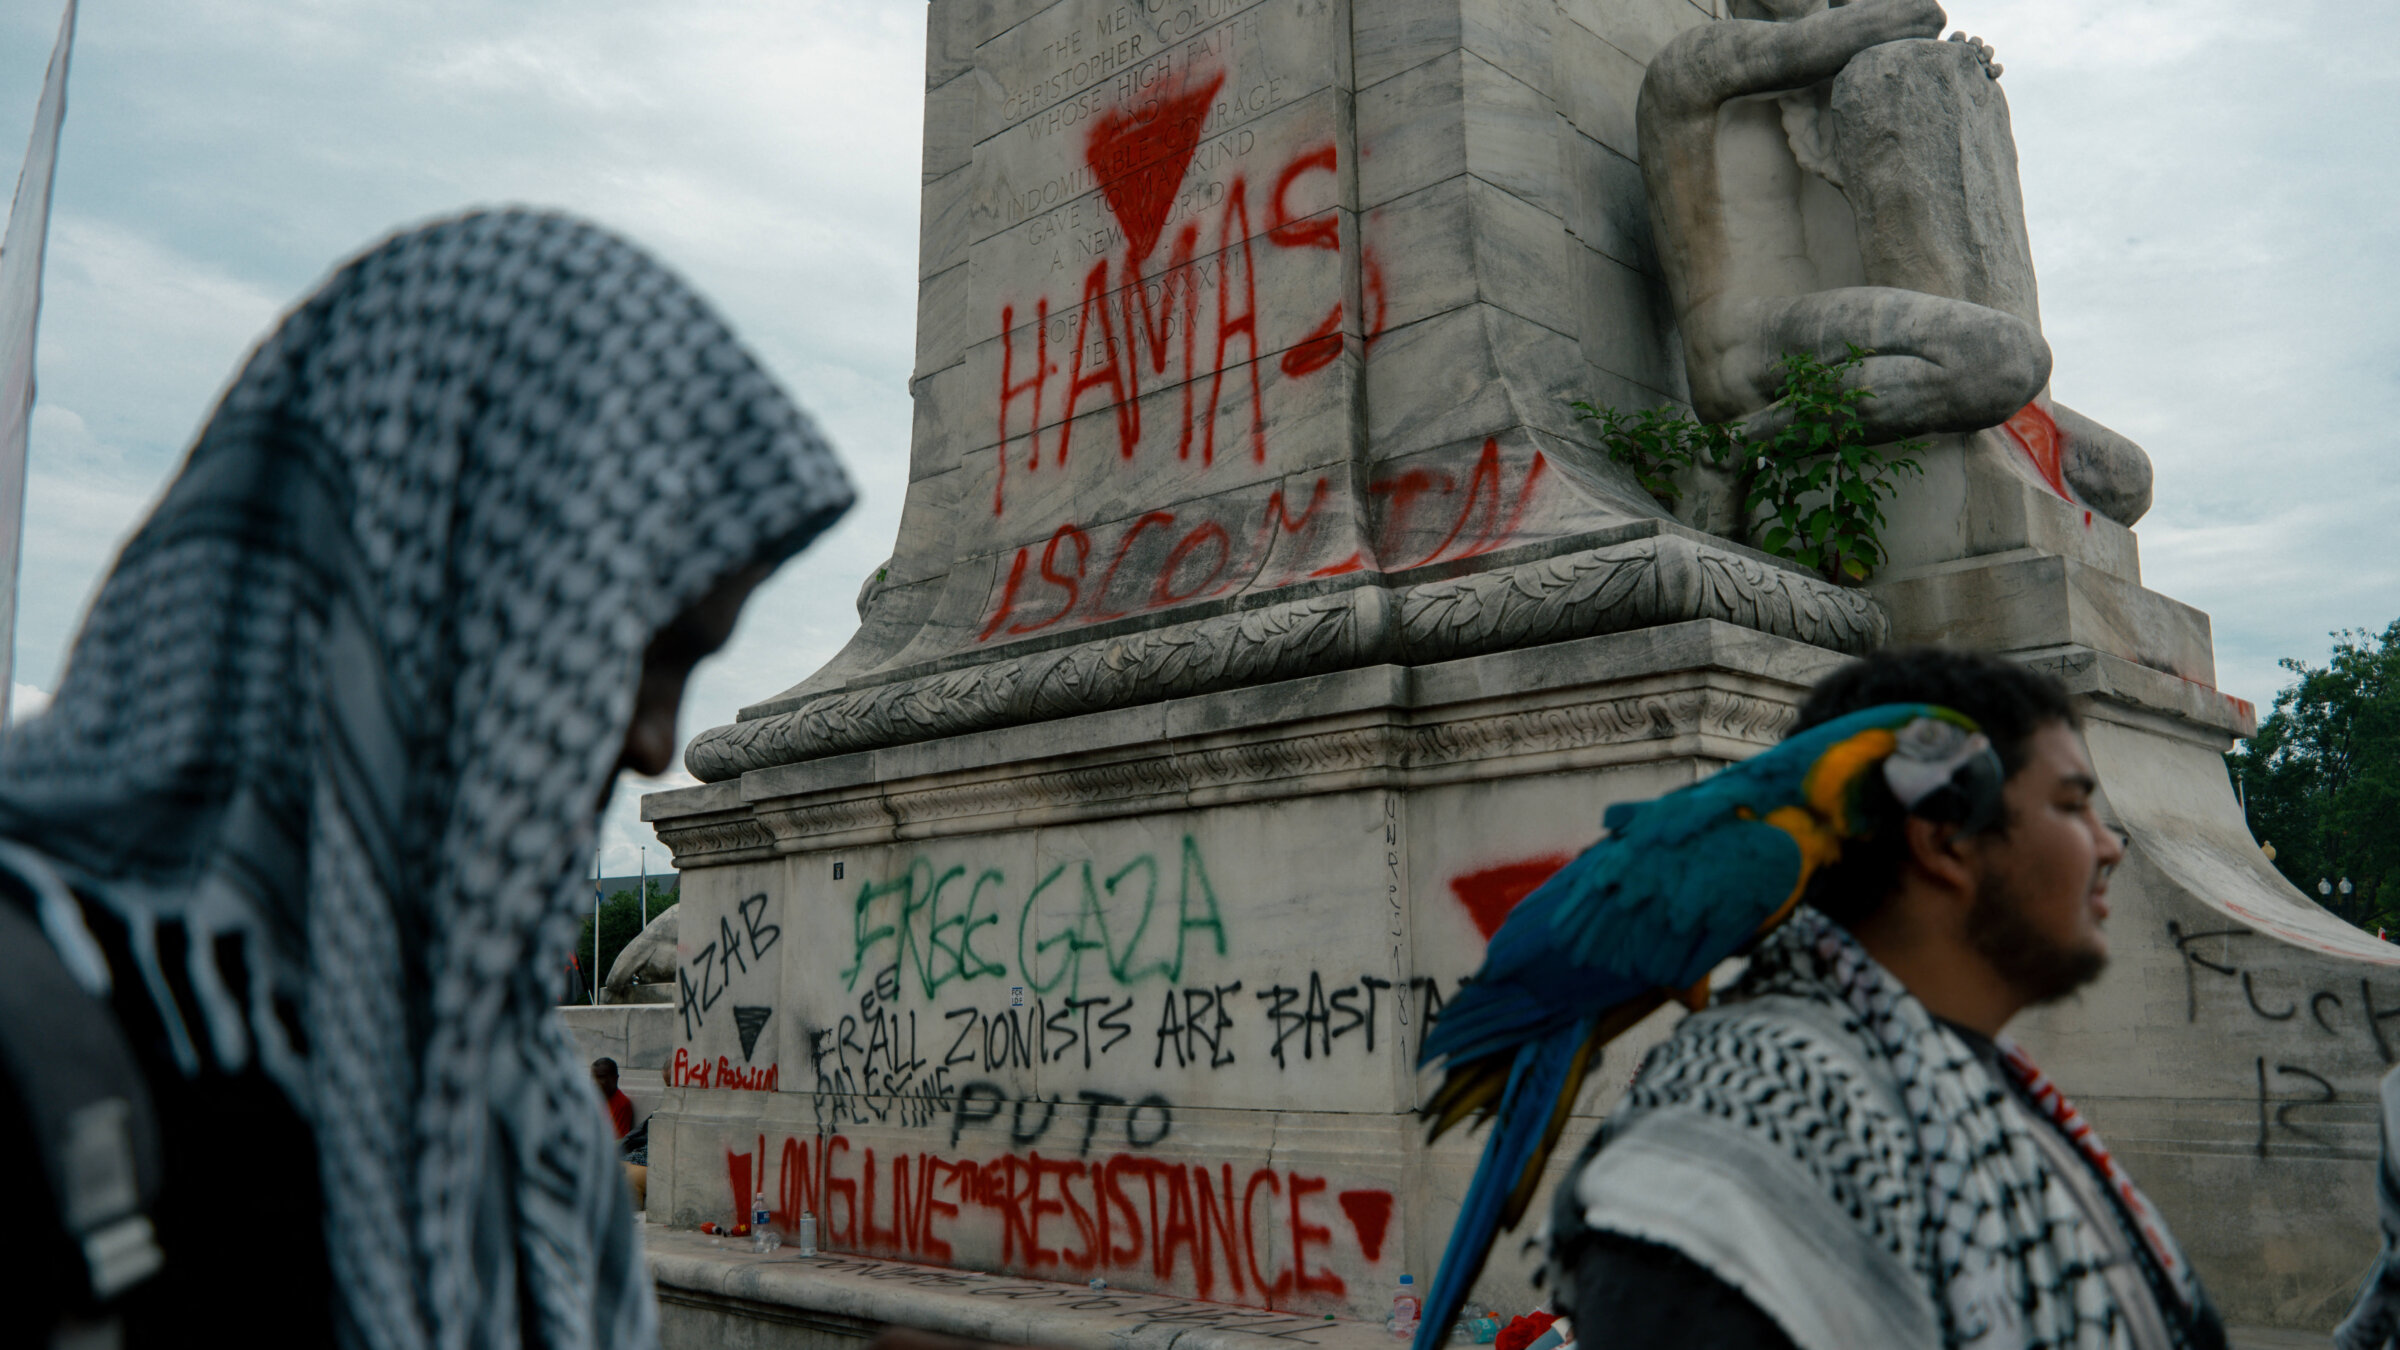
column 1822, row 1143
column 350, row 696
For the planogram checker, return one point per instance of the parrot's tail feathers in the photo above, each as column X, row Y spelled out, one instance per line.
column 1529, row 1181
column 1536, row 1076
column 1469, row 1089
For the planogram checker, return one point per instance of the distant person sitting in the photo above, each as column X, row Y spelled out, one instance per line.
column 620, row 1106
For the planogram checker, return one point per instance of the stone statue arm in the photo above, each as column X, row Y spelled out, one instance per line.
column 1707, row 65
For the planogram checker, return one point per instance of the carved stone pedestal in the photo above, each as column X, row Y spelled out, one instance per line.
column 1138, row 994
column 2231, row 1053
column 1261, row 625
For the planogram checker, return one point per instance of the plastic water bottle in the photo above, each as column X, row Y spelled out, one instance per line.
column 763, row 1237
column 1405, row 1308
column 808, row 1233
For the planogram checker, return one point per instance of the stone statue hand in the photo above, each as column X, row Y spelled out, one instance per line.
column 1983, row 53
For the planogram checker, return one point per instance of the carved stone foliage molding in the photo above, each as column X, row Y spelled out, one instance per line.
column 1275, row 765
column 1642, row 583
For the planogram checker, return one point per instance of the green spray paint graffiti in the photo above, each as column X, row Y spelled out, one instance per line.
column 930, row 919
column 1195, row 908
column 938, row 947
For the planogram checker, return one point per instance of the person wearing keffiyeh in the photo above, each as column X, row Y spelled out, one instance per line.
column 1845, row 1151
column 311, row 806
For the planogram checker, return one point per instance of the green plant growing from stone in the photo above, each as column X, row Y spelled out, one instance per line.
column 1814, row 487
column 1657, row 443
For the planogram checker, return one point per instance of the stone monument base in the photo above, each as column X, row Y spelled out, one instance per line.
column 1137, row 995
column 2230, row 1056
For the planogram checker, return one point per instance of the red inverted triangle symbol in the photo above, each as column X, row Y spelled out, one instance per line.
column 1141, row 157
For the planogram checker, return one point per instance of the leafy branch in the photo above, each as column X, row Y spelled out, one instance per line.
column 1815, row 484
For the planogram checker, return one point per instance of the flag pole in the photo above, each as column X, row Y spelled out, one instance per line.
column 20, row 311
column 595, row 925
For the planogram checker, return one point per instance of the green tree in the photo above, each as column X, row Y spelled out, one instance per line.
column 620, row 923
column 2321, row 779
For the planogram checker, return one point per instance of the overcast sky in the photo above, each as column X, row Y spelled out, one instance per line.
column 2210, row 187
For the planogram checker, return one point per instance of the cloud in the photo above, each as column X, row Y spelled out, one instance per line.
column 2215, row 262
column 2211, row 226
column 222, row 155
column 25, row 700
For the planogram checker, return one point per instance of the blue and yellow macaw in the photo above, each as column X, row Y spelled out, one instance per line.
column 1674, row 887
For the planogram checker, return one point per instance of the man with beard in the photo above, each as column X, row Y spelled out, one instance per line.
column 1845, row 1152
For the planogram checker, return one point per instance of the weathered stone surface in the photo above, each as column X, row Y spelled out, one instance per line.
column 942, row 222
column 712, row 1295
column 1606, row 209
column 927, row 516
column 1665, row 578
column 949, row 126
column 942, row 319
column 2025, row 601
column 2104, row 467
column 1979, row 495
column 1458, row 110
column 1599, row 96
column 1619, row 323
column 1475, row 372
column 1185, row 755
column 938, row 430
column 1930, row 170
column 1040, row 220
column 1159, row 949
column 1180, row 371
column 1639, row 28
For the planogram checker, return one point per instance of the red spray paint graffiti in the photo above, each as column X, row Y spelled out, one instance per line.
column 1126, row 323
column 1481, row 509
column 1159, row 558
column 1141, row 157
column 1243, row 1238
column 1370, row 1214
column 1490, row 894
column 2038, row 436
column 1324, row 342
column 687, row 1071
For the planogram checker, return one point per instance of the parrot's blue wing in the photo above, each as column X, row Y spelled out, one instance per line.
column 1678, row 884
column 1657, row 914
column 1614, row 923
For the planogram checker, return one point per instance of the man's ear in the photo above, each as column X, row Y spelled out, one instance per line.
column 1935, row 849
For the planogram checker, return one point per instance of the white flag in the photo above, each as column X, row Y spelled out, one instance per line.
column 20, row 309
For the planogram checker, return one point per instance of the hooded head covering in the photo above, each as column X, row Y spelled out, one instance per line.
column 342, row 711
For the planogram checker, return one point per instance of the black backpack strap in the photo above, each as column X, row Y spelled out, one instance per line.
column 78, row 1115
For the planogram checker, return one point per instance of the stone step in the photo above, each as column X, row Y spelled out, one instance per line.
column 715, row 1292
